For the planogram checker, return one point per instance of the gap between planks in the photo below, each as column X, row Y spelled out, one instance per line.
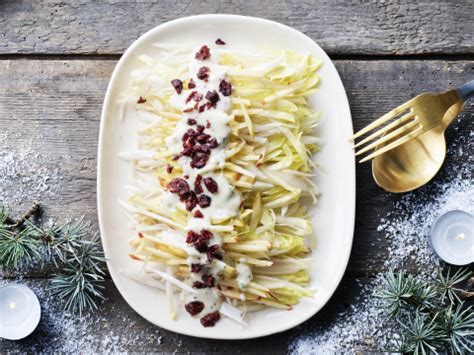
column 334, row 56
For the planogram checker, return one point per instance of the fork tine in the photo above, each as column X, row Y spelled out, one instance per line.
column 385, row 129
column 388, row 137
column 393, row 145
column 388, row 116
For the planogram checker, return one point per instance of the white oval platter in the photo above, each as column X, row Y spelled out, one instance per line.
column 333, row 217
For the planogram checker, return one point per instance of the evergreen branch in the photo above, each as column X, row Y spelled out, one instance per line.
column 71, row 247
column 81, row 280
column 30, row 213
column 446, row 284
column 423, row 335
column 18, row 248
column 4, row 217
column 396, row 292
column 401, row 291
column 459, row 328
column 428, row 324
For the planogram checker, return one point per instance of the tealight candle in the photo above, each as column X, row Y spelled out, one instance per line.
column 452, row 237
column 20, row 311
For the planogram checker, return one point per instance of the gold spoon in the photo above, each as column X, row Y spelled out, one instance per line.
column 414, row 163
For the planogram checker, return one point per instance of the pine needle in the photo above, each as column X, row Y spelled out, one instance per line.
column 72, row 247
column 432, row 316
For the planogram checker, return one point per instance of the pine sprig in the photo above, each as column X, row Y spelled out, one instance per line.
column 72, row 247
column 458, row 321
column 431, row 314
column 422, row 334
column 18, row 248
column 81, row 280
column 447, row 284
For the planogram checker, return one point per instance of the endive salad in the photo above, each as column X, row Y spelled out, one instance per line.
column 222, row 178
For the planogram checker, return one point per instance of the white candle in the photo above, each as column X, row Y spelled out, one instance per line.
column 20, row 311
column 452, row 237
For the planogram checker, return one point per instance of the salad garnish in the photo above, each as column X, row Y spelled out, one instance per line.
column 222, row 178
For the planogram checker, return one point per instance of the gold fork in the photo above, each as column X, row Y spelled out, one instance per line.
column 410, row 120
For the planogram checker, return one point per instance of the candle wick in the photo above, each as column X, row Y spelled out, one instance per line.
column 12, row 305
column 460, row 236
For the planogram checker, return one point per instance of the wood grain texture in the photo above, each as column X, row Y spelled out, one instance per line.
column 54, row 106
column 340, row 27
column 119, row 329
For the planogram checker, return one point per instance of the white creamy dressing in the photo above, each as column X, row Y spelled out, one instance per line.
column 209, row 296
column 244, row 275
column 225, row 202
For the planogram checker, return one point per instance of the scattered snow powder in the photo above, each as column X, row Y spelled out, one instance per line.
column 105, row 330
column 362, row 327
column 26, row 174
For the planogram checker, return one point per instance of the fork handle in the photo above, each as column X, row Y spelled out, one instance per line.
column 466, row 91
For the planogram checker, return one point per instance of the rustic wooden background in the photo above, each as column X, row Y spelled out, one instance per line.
column 56, row 58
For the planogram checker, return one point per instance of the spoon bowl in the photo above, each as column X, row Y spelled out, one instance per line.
column 415, row 162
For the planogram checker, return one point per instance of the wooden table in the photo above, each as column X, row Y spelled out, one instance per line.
column 56, row 59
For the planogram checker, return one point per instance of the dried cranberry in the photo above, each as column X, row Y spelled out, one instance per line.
column 200, row 128
column 199, row 161
column 202, row 108
column 197, row 184
column 185, row 137
column 188, row 141
column 141, row 100
column 194, row 307
column 213, row 252
column 196, row 268
column 189, row 109
column 202, row 149
column 179, row 186
column 201, row 246
column 211, row 185
column 199, row 284
column 203, row 73
column 204, row 201
column 210, row 105
column 213, row 143
column 203, row 138
column 198, row 214
column 187, row 152
column 176, row 157
column 191, row 121
column 212, row 96
column 197, row 97
column 191, row 96
column 191, row 237
column 203, row 53
column 169, row 169
column 225, row 87
column 191, row 84
column 188, row 147
column 191, row 133
column 178, row 85
column 210, row 320
column 220, row 42
column 208, row 280
column 208, row 124
column 191, row 201
column 205, row 234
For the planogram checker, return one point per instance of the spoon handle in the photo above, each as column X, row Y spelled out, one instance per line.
column 466, row 91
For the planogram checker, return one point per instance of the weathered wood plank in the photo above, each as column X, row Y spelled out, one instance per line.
column 117, row 328
column 54, row 106
column 341, row 27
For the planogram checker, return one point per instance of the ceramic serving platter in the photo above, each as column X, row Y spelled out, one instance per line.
column 333, row 217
